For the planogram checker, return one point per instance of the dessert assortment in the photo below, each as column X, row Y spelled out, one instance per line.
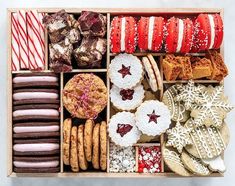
column 155, row 104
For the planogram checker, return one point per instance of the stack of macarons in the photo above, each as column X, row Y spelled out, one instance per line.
column 173, row 35
column 36, row 126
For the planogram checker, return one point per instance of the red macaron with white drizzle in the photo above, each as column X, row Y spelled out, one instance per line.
column 151, row 33
column 123, row 36
column 179, row 35
column 208, row 32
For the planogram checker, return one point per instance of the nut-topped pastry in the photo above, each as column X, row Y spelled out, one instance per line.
column 85, row 95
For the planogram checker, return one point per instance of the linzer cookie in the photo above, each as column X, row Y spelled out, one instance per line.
column 122, row 129
column 125, row 71
column 85, row 95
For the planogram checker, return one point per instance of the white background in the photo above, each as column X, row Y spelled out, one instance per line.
column 229, row 7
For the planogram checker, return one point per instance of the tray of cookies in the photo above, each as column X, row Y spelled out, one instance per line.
column 116, row 93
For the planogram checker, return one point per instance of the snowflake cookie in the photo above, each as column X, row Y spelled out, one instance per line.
column 153, row 117
column 213, row 107
column 178, row 137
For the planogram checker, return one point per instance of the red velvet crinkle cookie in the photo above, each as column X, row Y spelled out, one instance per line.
column 150, row 33
column 179, row 35
column 208, row 32
column 123, row 36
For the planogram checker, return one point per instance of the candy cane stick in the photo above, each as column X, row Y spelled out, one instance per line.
column 42, row 29
column 24, row 62
column 15, row 52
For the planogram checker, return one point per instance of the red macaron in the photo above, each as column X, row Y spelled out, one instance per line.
column 123, row 36
column 151, row 33
column 208, row 32
column 179, row 35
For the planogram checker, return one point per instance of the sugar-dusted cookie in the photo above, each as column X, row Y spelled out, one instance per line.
column 215, row 164
column 194, row 164
column 88, row 130
column 81, row 153
column 173, row 161
column 96, row 147
column 177, row 109
column 74, row 150
column 66, row 140
column 208, row 142
column 103, row 145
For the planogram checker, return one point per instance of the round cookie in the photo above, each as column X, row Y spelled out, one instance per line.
column 208, row 142
column 66, row 140
column 173, row 161
column 74, row 150
column 88, row 130
column 96, row 147
column 195, row 165
column 103, row 145
column 81, row 154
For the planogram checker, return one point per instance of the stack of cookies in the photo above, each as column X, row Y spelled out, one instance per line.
column 85, row 145
column 36, row 128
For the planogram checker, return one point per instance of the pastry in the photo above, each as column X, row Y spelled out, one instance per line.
column 201, row 68
column 152, row 117
column 186, row 68
column 96, row 147
column 151, row 33
column 123, row 34
column 126, row 99
column 208, row 32
column 103, row 145
column 125, row 71
column 74, row 150
column 122, row 129
column 92, row 24
column 85, row 95
column 67, row 126
column 88, row 133
column 81, row 153
column 179, row 35
column 171, row 67
column 219, row 69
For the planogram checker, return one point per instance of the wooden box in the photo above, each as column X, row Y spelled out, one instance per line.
column 168, row 12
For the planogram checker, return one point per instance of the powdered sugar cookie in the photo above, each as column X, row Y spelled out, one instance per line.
column 122, row 129
column 153, row 117
column 125, row 71
column 126, row 99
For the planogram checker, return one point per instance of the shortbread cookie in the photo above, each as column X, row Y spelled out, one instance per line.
column 122, row 129
column 195, row 165
column 103, row 145
column 96, row 147
column 173, row 161
column 152, row 117
column 215, row 164
column 127, row 99
column 66, row 140
column 81, row 153
column 125, row 71
column 177, row 109
column 74, row 150
column 88, row 130
column 208, row 142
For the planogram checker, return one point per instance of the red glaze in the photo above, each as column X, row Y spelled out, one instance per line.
column 158, row 33
column 172, row 35
column 130, row 35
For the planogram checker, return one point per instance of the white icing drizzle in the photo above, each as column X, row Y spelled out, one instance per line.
column 123, row 30
column 180, row 35
column 212, row 26
column 150, row 32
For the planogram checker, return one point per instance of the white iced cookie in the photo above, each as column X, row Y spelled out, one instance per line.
column 215, row 164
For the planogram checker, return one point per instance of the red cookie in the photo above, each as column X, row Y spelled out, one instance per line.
column 123, row 35
column 208, row 32
column 179, row 35
column 150, row 33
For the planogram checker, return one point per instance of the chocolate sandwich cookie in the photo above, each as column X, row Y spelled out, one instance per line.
column 36, row 147
column 36, row 106
column 36, row 84
column 36, row 101
column 27, row 135
column 37, row 170
column 51, row 74
column 35, row 118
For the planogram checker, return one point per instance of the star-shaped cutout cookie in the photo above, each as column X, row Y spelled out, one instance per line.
column 153, row 117
column 178, row 137
column 125, row 71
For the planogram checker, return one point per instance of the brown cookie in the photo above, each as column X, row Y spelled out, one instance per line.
column 37, row 170
column 103, row 145
column 36, row 90
column 41, row 84
column 35, row 118
column 36, row 106
column 74, row 150
column 88, row 130
column 36, row 135
column 36, row 101
column 66, row 140
column 96, row 147
column 82, row 159
column 36, row 74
